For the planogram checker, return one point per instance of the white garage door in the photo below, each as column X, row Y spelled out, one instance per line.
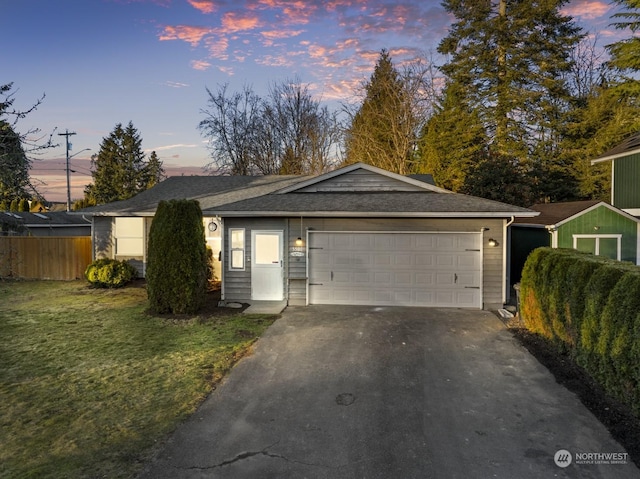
column 401, row 269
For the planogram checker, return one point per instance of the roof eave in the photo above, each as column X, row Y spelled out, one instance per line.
column 375, row 214
column 613, row 157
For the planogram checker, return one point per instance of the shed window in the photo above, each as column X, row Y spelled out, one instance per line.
column 129, row 236
column 236, row 252
column 608, row 246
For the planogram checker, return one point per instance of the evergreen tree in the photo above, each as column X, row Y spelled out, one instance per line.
column 508, row 57
column 605, row 120
column 154, row 173
column 16, row 148
column 498, row 179
column 119, row 168
column 383, row 131
column 452, row 140
column 14, row 165
column 177, row 258
column 625, row 54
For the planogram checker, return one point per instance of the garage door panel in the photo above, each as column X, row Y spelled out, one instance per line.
column 404, row 278
column 420, row 269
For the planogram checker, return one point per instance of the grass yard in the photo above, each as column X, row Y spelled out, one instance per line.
column 90, row 384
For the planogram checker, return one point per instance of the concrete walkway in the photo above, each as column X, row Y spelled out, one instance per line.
column 265, row 307
column 357, row 392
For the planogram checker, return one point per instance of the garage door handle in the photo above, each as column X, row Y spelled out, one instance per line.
column 316, row 284
column 472, row 287
column 455, row 278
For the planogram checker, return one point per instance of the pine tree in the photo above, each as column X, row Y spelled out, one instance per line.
column 509, row 59
column 154, row 173
column 625, row 54
column 177, row 258
column 452, row 140
column 383, row 131
column 119, row 168
column 14, row 165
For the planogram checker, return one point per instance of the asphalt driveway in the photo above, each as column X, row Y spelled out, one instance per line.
column 362, row 392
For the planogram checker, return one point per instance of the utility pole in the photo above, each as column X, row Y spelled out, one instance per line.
column 67, row 134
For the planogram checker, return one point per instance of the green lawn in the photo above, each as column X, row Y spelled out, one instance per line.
column 90, row 384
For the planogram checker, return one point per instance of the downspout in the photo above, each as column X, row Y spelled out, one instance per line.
column 553, row 231
column 506, row 260
column 222, row 251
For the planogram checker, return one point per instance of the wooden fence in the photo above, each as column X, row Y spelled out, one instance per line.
column 50, row 257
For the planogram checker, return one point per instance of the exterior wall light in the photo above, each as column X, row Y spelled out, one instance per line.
column 493, row 243
column 298, row 241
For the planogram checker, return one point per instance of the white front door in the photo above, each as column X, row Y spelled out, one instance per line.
column 267, row 283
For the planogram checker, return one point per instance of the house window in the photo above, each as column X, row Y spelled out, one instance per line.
column 236, row 252
column 609, row 246
column 129, row 236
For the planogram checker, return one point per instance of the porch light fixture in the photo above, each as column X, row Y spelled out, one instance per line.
column 299, row 238
column 493, row 243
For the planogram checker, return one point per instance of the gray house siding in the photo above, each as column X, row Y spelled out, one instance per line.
column 104, row 241
column 102, row 237
column 238, row 283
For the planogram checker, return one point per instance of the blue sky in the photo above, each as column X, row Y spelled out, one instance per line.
column 103, row 62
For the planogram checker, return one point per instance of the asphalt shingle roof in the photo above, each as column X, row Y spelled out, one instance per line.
column 210, row 191
column 427, row 203
column 552, row 213
column 46, row 218
column 629, row 145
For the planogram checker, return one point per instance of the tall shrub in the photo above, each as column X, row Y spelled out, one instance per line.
column 533, row 300
column 615, row 340
column 596, row 295
column 177, row 258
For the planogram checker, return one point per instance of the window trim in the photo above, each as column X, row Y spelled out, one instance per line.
column 241, row 249
column 129, row 237
column 597, row 237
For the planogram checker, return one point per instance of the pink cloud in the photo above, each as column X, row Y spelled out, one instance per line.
column 200, row 65
column 218, row 47
column 187, row 33
column 237, row 22
column 205, row 6
column 587, row 9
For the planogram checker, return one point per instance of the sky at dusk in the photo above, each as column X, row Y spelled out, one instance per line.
column 103, row 62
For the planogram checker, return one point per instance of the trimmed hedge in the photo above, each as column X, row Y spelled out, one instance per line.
column 177, row 259
column 110, row 273
column 589, row 307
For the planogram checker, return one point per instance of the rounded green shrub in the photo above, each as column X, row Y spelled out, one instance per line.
column 177, row 258
column 110, row 273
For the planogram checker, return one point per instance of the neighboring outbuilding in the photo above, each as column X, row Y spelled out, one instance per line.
column 356, row 235
column 48, row 223
column 625, row 174
column 592, row 226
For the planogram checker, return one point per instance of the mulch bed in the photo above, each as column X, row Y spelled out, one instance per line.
column 623, row 425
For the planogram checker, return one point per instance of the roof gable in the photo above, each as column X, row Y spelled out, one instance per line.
column 557, row 214
column 628, row 147
column 360, row 177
